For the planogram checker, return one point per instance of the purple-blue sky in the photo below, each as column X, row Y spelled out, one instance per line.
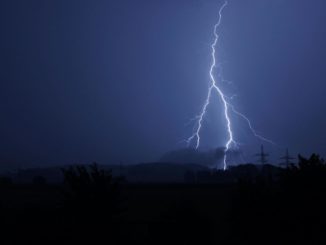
column 119, row 80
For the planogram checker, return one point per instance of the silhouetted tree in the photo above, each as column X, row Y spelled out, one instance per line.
column 310, row 173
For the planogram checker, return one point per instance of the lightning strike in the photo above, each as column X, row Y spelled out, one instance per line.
column 227, row 107
column 251, row 127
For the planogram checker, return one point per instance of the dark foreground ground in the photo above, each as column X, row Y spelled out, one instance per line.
column 92, row 208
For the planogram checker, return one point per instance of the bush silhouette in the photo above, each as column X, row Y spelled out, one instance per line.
column 310, row 173
column 91, row 192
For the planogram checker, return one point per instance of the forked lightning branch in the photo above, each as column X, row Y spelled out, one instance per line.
column 214, row 87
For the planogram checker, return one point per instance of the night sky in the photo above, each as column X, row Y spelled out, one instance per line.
column 113, row 81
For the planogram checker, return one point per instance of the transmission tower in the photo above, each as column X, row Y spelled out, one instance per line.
column 287, row 158
column 262, row 156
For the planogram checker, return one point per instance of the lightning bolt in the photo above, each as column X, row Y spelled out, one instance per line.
column 227, row 107
column 254, row 132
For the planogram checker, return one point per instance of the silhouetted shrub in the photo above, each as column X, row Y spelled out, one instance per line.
column 91, row 192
